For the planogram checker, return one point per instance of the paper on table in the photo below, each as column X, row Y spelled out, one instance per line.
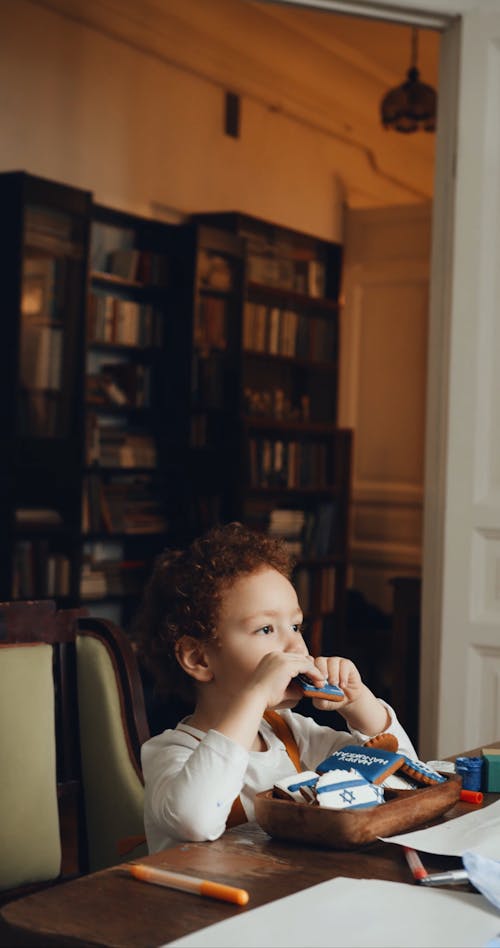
column 347, row 913
column 478, row 831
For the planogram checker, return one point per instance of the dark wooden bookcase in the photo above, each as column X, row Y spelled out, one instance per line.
column 91, row 467
column 43, row 268
column 278, row 460
column 157, row 379
column 208, row 304
column 132, row 470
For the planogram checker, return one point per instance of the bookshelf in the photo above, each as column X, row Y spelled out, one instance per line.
column 130, row 485
column 281, row 464
column 157, row 379
column 209, row 303
column 43, row 272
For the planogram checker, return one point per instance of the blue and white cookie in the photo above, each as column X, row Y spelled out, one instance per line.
column 373, row 763
column 398, row 781
column 347, row 790
column 298, row 787
column 421, row 773
column 326, row 690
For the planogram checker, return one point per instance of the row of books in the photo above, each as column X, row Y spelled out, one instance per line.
column 310, row 533
column 123, row 322
column 279, row 331
column 300, row 276
column 315, row 588
column 39, row 571
column 112, row 445
column 290, row 464
column 131, row 265
column 128, row 505
column 100, row 578
column 119, row 383
column 275, row 403
column 283, row 264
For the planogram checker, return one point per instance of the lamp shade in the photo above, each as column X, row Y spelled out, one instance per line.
column 413, row 104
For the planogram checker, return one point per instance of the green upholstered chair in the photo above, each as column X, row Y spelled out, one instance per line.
column 39, row 787
column 113, row 726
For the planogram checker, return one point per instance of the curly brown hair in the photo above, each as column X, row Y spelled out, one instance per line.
column 183, row 595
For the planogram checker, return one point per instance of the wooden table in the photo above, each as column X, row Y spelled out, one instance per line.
column 110, row 908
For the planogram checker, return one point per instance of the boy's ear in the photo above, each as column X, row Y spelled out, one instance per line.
column 192, row 657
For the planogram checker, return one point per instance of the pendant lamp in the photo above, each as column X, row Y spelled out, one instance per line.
column 413, row 104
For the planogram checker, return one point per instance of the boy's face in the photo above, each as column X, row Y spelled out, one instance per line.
column 259, row 613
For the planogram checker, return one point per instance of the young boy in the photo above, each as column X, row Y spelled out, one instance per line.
column 221, row 623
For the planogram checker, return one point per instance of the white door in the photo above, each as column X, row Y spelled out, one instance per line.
column 460, row 691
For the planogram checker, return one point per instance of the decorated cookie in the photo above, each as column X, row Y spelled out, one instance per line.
column 385, row 741
column 374, row 764
column 297, row 787
column 347, row 790
column 330, row 692
column 398, row 781
column 421, row 773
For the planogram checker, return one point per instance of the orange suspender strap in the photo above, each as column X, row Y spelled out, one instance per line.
column 283, row 732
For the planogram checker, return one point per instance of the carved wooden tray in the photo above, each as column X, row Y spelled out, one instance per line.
column 341, row 829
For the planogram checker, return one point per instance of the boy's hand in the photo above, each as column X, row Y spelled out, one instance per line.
column 342, row 672
column 361, row 709
column 274, row 674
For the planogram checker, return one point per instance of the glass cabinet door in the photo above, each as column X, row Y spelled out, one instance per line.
column 53, row 274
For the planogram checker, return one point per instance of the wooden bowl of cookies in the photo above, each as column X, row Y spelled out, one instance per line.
column 404, row 810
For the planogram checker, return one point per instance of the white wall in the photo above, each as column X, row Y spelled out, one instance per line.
column 80, row 107
column 382, row 393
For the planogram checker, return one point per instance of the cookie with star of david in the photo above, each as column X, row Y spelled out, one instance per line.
column 347, row 790
column 298, row 787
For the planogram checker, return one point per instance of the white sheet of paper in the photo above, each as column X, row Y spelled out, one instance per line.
column 347, row 913
column 478, row 831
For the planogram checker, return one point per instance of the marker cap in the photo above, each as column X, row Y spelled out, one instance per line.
column 471, row 796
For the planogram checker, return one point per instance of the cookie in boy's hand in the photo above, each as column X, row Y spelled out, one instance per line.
column 327, row 691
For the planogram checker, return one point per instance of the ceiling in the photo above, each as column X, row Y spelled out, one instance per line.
column 324, row 69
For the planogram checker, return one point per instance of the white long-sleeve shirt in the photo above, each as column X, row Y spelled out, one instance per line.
column 192, row 777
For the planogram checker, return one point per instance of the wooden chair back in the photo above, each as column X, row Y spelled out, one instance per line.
column 113, row 726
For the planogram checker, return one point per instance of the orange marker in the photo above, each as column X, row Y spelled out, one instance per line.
column 416, row 865
column 176, row 880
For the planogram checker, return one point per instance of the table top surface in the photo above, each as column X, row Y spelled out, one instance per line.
column 111, row 908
